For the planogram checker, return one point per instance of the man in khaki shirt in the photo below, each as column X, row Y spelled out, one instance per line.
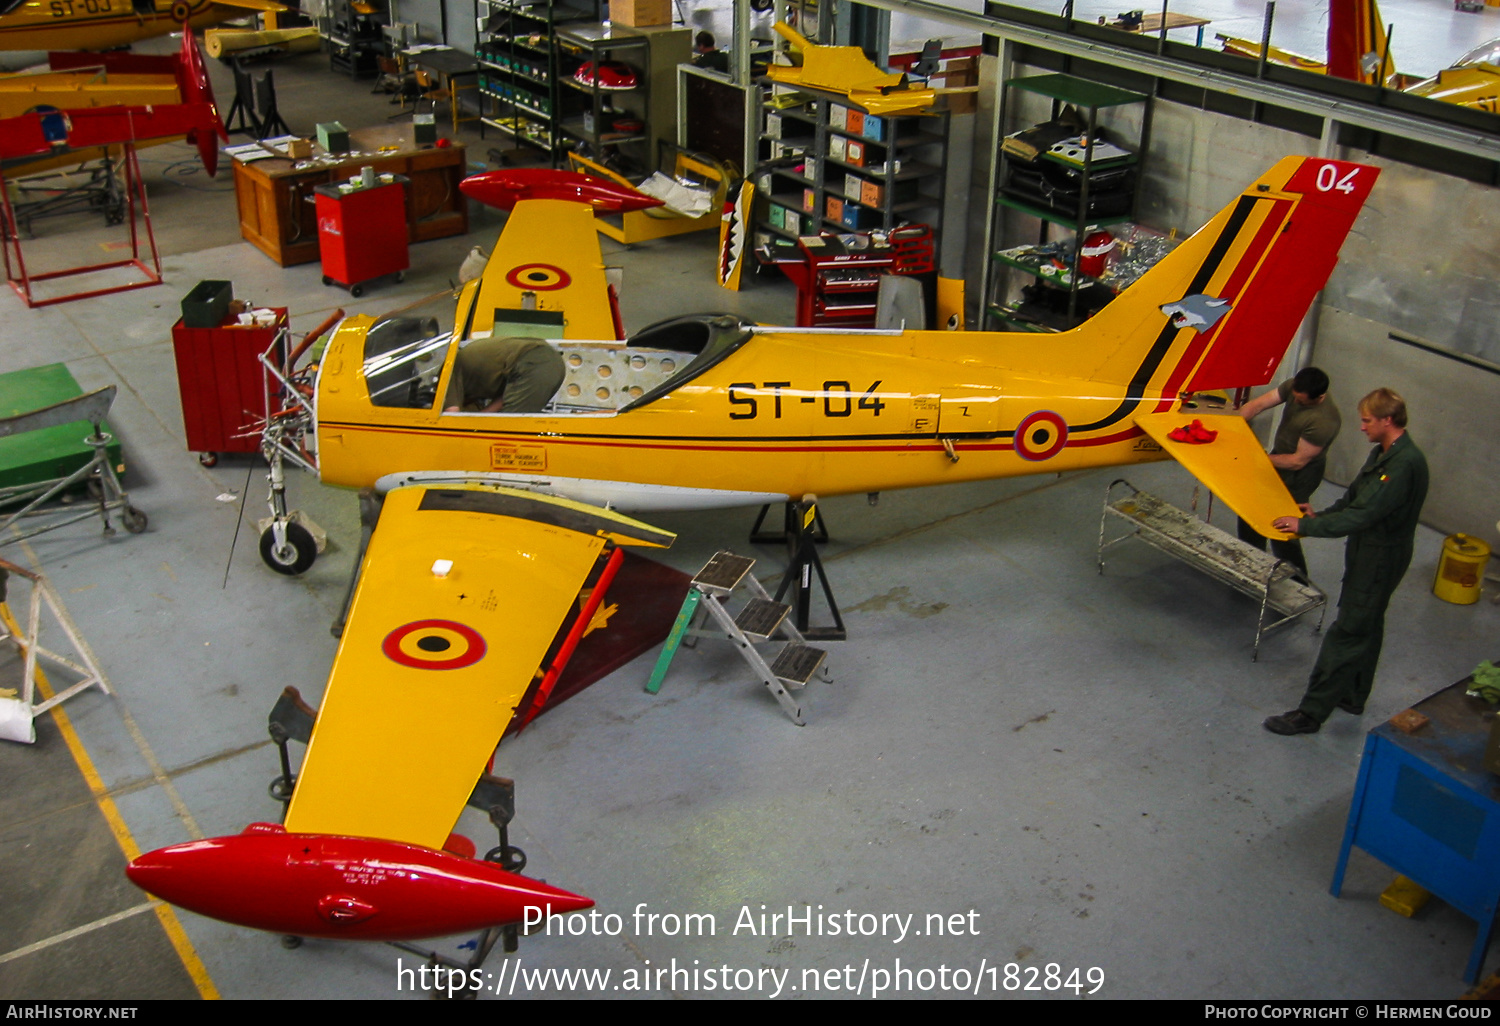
column 517, row 375
column 1309, row 424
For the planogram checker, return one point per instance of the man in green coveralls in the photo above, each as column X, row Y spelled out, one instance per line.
column 1378, row 514
column 517, row 375
column 1299, row 452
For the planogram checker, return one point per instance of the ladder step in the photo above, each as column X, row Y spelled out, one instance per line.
column 797, row 663
column 761, row 617
column 723, row 573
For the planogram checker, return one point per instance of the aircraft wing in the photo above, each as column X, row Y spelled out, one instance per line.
column 435, row 658
column 1234, row 466
column 550, row 249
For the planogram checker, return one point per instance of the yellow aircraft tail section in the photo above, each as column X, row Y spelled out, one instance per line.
column 1220, row 310
column 1233, row 466
column 461, row 593
column 547, row 262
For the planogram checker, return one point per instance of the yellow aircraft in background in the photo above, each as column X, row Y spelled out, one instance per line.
column 110, row 24
column 1359, row 49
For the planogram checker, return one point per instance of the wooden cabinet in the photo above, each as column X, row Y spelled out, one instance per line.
column 277, row 215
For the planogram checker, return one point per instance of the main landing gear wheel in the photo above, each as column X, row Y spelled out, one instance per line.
column 292, row 558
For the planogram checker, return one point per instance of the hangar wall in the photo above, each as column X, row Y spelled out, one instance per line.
column 1421, row 261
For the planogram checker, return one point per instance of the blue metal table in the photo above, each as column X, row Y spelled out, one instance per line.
column 1425, row 806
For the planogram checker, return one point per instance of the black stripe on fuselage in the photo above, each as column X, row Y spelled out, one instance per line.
column 1158, row 351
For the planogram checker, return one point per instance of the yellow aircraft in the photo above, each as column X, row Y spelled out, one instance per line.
column 493, row 522
column 109, row 24
column 705, row 412
column 1358, row 49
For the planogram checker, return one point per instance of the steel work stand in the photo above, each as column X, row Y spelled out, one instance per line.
column 1425, row 806
column 1218, row 554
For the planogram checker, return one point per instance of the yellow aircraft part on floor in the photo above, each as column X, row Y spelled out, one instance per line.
column 1233, row 466
column 434, row 657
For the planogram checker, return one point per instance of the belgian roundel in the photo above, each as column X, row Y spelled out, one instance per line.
column 434, row 645
column 539, row 277
column 1041, row 436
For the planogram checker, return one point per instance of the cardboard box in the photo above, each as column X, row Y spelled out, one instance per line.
column 860, row 219
column 777, row 216
column 793, row 222
column 854, row 122
column 773, row 125
column 809, row 201
column 854, row 152
column 835, row 208
column 870, row 194
column 838, row 115
column 874, row 128
column 852, row 186
column 640, row 13
column 837, row 147
column 810, row 169
column 299, row 149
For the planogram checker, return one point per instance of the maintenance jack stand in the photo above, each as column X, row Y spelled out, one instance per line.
column 804, row 530
column 761, row 620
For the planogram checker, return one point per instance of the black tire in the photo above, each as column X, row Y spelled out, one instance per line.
column 133, row 520
column 208, row 459
column 298, row 555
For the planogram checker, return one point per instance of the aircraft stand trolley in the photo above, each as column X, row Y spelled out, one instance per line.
column 292, row 719
column 762, row 619
column 98, row 473
column 1220, row 555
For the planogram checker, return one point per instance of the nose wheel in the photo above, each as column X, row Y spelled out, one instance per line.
column 292, row 554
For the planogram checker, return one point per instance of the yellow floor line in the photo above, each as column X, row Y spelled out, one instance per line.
column 169, row 921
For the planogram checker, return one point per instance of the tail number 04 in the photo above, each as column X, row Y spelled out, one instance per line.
column 1329, row 180
column 838, row 398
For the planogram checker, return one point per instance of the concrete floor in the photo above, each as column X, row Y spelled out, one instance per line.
column 1071, row 764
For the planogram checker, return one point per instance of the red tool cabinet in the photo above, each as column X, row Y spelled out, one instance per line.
column 220, row 379
column 362, row 232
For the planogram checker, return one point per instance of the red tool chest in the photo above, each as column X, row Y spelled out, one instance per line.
column 362, row 232
column 220, row 379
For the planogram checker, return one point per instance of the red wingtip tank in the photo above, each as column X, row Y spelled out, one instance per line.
column 505, row 188
column 341, row 888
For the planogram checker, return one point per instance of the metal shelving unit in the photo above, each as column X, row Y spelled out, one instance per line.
column 857, row 172
column 520, row 68
column 1019, row 194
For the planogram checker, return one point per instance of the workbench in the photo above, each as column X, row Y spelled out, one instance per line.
column 274, row 195
column 1425, row 805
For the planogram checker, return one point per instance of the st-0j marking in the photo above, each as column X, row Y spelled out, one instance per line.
column 465, row 580
column 109, row 24
column 703, row 412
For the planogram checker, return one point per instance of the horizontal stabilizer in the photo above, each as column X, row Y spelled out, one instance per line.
column 1233, row 466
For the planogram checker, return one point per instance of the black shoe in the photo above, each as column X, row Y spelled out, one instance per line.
column 1294, row 722
column 1349, row 707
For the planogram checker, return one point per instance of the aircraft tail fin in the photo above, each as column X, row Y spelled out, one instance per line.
column 1357, row 42
column 1220, row 310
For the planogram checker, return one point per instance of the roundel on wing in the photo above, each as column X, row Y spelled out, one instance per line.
column 434, row 645
column 539, row 277
column 1041, row 436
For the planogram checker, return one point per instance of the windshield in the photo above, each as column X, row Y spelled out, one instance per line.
column 1484, row 53
column 404, row 352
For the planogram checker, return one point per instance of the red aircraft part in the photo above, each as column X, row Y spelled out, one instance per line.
column 192, row 84
column 86, row 127
column 504, row 189
column 341, row 888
